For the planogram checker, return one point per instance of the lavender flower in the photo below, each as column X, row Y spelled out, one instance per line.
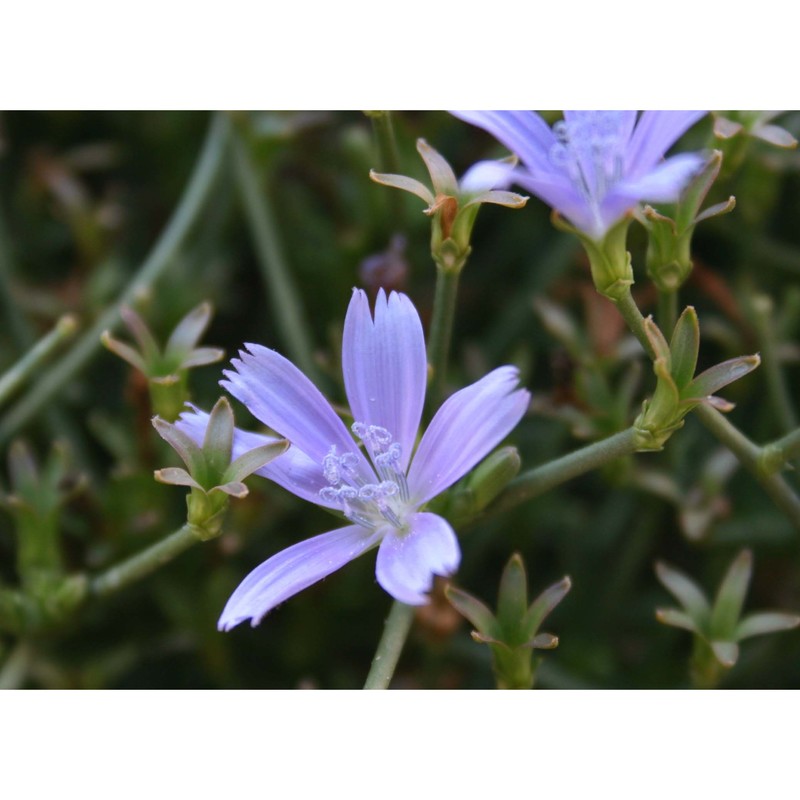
column 380, row 489
column 595, row 166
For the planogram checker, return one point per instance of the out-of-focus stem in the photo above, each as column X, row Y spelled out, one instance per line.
column 749, row 455
column 194, row 198
column 143, row 564
column 281, row 295
column 441, row 333
column 776, row 383
column 536, row 481
column 36, row 356
column 395, row 632
column 383, row 129
column 667, row 312
column 633, row 317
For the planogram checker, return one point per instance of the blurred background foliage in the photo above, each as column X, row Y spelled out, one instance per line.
column 83, row 198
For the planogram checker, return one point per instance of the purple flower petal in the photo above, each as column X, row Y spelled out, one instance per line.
column 655, row 133
column 465, row 429
column 293, row 470
column 408, row 560
column 522, row 132
column 293, row 570
column 665, row 182
column 486, row 175
column 385, row 367
column 279, row 395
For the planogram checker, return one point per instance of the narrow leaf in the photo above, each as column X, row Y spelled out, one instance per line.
column 766, row 622
column 188, row 331
column 695, row 193
column 136, row 325
column 685, row 591
column 254, row 459
column 218, row 441
column 657, row 341
column 442, row 175
column 545, row 641
column 473, row 609
column 124, row 351
column 176, row 477
column 730, row 597
column 233, row 488
column 499, row 198
column 543, row 605
column 512, row 597
column 684, row 346
column 190, row 453
column 727, row 653
column 714, row 378
column 405, row 183
column 676, row 619
column 201, row 356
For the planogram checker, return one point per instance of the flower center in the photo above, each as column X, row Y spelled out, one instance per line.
column 590, row 148
column 368, row 503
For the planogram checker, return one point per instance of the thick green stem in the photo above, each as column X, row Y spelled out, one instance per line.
column 777, row 454
column 36, row 356
column 536, row 481
column 395, row 632
column 749, row 454
column 667, row 311
column 776, row 383
column 633, row 317
column 161, row 256
column 281, row 295
column 144, row 563
column 444, row 309
column 389, row 161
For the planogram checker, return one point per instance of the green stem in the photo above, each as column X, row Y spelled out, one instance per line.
column 444, row 309
column 281, row 295
column 395, row 631
column 631, row 314
column 143, row 564
column 38, row 354
column 536, row 481
column 777, row 454
column 383, row 128
column 161, row 256
column 750, row 454
column 667, row 311
column 776, row 383
column 16, row 666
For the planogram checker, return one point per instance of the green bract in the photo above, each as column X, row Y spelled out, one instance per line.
column 513, row 633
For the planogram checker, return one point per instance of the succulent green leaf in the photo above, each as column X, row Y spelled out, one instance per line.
column 473, row 609
column 176, row 476
column 714, row 378
column 254, row 459
column 727, row 653
column 124, row 351
column 695, row 193
column 774, row 134
column 442, row 176
column 676, row 619
column 405, row 183
column 684, row 346
column 232, row 488
column 685, row 591
column 188, row 331
column 657, row 341
column 717, row 210
column 136, row 325
column 730, row 597
column 492, row 475
column 218, row 441
column 543, row 605
column 544, row 641
column 498, row 198
column 201, row 356
column 190, row 453
column 512, row 597
column 766, row 622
